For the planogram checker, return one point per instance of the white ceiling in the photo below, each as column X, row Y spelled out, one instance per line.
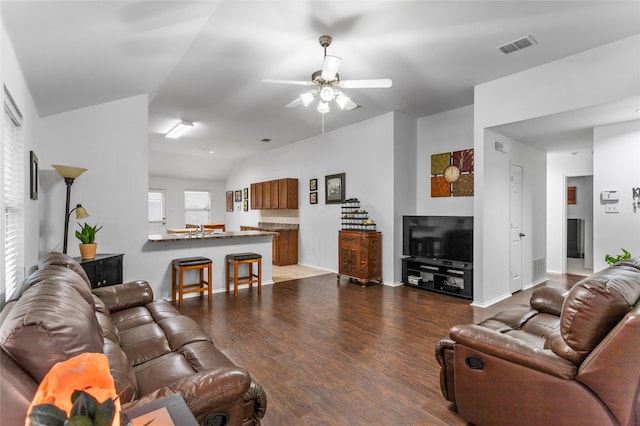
column 203, row 61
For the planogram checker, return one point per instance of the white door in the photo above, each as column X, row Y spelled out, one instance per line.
column 516, row 228
column 157, row 211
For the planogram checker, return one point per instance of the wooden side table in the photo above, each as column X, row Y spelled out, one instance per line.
column 103, row 270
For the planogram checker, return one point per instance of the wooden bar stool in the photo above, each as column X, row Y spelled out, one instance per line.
column 186, row 264
column 241, row 259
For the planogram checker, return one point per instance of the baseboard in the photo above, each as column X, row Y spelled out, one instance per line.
column 491, row 301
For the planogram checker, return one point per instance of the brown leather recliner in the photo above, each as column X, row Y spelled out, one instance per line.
column 570, row 358
column 153, row 351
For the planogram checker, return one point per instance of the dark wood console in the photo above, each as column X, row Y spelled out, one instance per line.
column 103, row 270
column 441, row 276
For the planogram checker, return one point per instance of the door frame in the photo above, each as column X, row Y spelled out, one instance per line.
column 565, row 205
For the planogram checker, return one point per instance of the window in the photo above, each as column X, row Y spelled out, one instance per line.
column 13, row 191
column 156, row 211
column 197, row 207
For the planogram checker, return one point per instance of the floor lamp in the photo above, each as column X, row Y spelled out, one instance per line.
column 69, row 174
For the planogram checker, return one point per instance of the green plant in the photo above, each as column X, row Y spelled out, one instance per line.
column 86, row 411
column 87, row 233
column 611, row 259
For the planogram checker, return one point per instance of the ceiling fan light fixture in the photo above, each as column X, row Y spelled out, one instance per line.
column 327, row 93
column 323, row 107
column 177, row 130
column 307, row 98
column 330, row 67
column 342, row 100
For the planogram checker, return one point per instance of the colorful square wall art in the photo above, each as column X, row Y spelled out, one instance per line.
column 452, row 174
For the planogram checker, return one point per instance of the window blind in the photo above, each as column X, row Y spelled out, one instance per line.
column 12, row 196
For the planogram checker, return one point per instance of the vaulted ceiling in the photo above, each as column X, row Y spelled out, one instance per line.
column 203, row 61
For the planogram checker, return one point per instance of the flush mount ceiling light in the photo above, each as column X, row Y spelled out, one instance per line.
column 177, row 130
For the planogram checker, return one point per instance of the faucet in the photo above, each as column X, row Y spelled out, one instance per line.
column 202, row 229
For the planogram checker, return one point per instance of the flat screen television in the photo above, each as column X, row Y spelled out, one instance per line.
column 448, row 238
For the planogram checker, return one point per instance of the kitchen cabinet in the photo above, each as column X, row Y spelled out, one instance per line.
column 288, row 193
column 284, row 249
column 275, row 194
column 360, row 256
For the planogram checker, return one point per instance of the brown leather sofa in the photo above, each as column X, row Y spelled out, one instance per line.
column 570, row 358
column 153, row 351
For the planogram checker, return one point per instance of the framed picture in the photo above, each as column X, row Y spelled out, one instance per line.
column 245, row 205
column 334, row 188
column 313, row 198
column 245, row 193
column 313, row 184
column 33, row 173
column 571, row 195
column 238, row 196
column 229, row 201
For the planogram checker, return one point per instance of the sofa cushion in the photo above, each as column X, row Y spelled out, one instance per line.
column 182, row 330
column 122, row 372
column 109, row 331
column 204, row 356
column 593, row 307
column 59, row 259
column 161, row 371
column 51, row 322
column 131, row 318
column 144, row 343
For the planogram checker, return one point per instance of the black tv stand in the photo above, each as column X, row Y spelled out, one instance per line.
column 438, row 275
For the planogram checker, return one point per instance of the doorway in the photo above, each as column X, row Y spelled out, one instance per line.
column 579, row 225
column 516, row 233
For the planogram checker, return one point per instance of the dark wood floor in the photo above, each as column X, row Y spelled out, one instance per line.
column 331, row 354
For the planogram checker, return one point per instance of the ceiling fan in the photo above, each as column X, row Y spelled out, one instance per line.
column 327, row 84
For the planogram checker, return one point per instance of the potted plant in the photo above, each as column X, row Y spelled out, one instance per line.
column 87, row 237
column 615, row 259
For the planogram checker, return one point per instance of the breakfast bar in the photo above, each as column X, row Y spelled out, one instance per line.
column 214, row 245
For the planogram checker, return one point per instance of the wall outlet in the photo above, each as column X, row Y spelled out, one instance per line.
column 612, row 208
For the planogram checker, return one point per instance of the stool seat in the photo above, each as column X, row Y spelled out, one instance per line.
column 233, row 261
column 179, row 266
column 191, row 261
column 243, row 256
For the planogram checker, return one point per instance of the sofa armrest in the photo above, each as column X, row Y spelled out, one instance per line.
column 127, row 295
column 512, row 349
column 548, row 300
column 444, row 352
column 204, row 392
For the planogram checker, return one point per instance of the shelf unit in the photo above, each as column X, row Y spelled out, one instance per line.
column 440, row 276
column 355, row 218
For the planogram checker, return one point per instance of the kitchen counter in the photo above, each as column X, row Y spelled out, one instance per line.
column 182, row 236
column 161, row 249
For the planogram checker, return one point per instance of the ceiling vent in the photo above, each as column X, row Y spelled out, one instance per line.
column 515, row 45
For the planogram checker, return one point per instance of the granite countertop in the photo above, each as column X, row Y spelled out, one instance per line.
column 159, row 238
column 267, row 226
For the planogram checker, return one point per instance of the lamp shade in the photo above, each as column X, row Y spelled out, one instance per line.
column 69, row 172
column 81, row 212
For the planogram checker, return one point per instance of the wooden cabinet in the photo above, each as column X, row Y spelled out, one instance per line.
column 275, row 197
column 266, row 195
column 288, row 193
column 284, row 250
column 103, row 270
column 275, row 194
column 360, row 256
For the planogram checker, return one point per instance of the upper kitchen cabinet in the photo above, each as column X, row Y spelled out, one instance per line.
column 275, row 194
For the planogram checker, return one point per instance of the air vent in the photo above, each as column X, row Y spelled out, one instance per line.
column 515, row 45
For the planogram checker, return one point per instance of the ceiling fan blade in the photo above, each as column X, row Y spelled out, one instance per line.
column 376, row 83
column 330, row 67
column 294, row 103
column 295, row 82
column 351, row 105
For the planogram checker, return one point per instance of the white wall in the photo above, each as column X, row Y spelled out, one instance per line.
column 616, row 155
column 405, row 182
column 561, row 166
column 13, row 79
column 365, row 152
column 571, row 83
column 448, row 131
column 175, row 197
column 110, row 140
